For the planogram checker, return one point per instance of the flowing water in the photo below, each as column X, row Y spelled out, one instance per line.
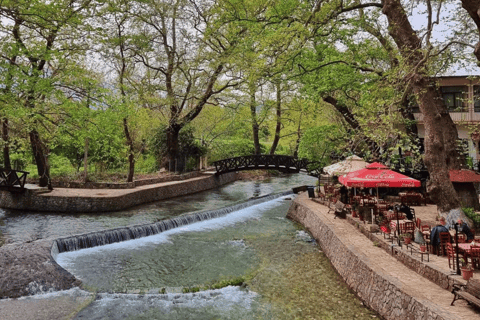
column 250, row 263
column 21, row 226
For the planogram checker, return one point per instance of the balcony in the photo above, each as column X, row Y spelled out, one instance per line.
column 456, row 117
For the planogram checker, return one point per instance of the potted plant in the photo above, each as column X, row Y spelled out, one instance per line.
column 407, row 238
column 423, row 247
column 467, row 269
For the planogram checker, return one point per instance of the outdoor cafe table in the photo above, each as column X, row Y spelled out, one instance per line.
column 411, row 198
column 465, row 247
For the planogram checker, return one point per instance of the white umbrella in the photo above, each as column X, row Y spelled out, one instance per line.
column 352, row 163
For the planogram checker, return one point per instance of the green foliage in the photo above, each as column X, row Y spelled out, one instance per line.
column 318, row 143
column 470, row 213
column 223, row 149
column 146, row 163
column 188, row 146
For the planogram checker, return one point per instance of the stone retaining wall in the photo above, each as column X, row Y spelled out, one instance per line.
column 33, row 201
column 126, row 185
column 431, row 272
column 378, row 290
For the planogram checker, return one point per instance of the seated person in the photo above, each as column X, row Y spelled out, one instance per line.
column 406, row 209
column 434, row 234
column 466, row 230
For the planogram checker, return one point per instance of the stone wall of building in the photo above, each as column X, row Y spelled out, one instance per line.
column 31, row 200
column 378, row 290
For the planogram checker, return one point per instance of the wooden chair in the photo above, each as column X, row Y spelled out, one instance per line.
column 418, row 223
column 425, row 230
column 451, row 255
column 461, row 238
column 408, row 227
column 393, row 227
column 444, row 239
column 475, row 256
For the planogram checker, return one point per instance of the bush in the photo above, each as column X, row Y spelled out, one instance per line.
column 146, row 164
column 470, row 213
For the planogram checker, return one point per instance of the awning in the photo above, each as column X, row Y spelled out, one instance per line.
column 464, row 176
column 377, row 175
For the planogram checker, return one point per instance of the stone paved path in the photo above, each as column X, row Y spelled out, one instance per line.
column 107, row 193
column 411, row 282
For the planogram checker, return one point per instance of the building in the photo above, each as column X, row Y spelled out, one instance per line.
column 462, row 97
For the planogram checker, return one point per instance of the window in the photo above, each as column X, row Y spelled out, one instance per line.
column 476, row 98
column 453, row 97
column 422, row 146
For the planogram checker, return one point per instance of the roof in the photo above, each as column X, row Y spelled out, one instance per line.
column 464, row 176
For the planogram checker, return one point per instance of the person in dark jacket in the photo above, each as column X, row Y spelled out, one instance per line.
column 406, row 209
column 466, row 230
column 344, row 194
column 434, row 234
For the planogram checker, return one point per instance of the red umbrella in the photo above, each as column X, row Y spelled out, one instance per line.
column 376, row 175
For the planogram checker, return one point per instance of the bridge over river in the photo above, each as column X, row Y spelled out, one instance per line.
column 287, row 164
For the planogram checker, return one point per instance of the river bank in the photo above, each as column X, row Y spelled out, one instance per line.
column 384, row 283
column 105, row 200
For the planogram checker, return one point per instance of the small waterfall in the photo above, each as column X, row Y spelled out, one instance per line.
column 105, row 237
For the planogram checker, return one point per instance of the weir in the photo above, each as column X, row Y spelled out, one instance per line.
column 105, row 237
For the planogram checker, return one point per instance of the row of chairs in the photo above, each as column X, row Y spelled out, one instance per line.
column 474, row 256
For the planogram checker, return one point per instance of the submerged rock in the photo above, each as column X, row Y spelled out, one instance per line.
column 29, row 269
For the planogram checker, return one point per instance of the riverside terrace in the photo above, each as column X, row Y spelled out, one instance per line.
column 389, row 279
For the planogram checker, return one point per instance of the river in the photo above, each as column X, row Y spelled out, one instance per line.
column 252, row 263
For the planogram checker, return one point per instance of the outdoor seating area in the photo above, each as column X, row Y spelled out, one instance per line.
column 397, row 219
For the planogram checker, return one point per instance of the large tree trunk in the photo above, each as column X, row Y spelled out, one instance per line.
column 172, row 148
column 440, row 131
column 278, row 127
column 41, row 159
column 253, row 113
column 131, row 151
column 6, row 148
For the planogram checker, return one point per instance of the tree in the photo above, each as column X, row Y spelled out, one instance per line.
column 119, row 50
column 36, row 36
column 441, row 153
column 186, row 53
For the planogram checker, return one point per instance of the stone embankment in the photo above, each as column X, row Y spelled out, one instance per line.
column 95, row 200
column 29, row 268
column 379, row 279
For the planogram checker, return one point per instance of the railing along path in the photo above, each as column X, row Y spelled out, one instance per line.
column 281, row 163
column 13, row 180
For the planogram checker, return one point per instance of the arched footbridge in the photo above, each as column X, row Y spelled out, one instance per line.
column 281, row 163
